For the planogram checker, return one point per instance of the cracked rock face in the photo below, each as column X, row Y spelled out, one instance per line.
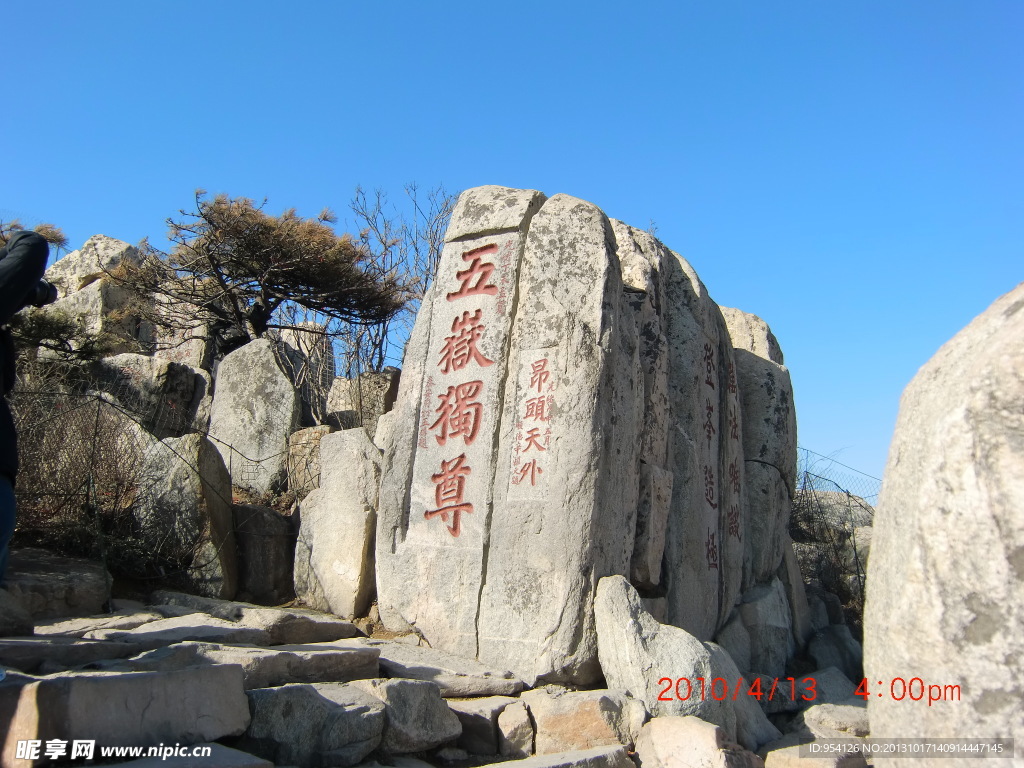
column 945, row 594
column 569, row 409
column 256, row 408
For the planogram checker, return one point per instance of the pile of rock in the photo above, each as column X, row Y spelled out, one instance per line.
column 271, row 686
column 193, row 431
column 574, row 518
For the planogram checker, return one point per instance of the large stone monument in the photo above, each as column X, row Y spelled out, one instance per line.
column 569, row 409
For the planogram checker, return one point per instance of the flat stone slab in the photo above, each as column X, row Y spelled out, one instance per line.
column 50, row 586
column 416, row 717
column 129, row 619
column 572, row 720
column 262, row 667
column 479, row 718
column 790, row 757
column 129, row 708
column 454, row 675
column 219, row 756
column 196, row 626
column 31, row 654
column 599, row 757
column 327, row 724
column 284, row 625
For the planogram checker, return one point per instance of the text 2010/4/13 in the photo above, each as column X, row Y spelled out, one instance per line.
column 720, row 689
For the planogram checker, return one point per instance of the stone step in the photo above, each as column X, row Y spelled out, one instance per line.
column 51, row 586
column 454, row 675
column 284, row 625
column 125, row 709
column 598, row 757
column 261, row 667
column 49, row 653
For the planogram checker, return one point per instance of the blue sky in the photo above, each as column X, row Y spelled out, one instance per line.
column 851, row 172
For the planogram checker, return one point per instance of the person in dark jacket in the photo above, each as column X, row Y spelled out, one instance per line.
column 22, row 263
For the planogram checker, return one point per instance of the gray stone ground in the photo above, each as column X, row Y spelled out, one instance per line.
column 296, row 687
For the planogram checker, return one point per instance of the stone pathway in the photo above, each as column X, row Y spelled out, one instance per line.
column 291, row 687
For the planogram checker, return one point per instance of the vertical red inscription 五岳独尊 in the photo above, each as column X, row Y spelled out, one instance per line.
column 458, row 409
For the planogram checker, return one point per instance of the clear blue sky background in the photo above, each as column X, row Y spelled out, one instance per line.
column 852, row 172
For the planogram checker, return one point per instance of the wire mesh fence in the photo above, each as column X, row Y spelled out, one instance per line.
column 830, row 524
column 818, row 472
column 89, row 464
column 96, row 479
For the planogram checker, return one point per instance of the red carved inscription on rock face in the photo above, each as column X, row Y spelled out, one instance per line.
column 539, row 408
column 711, row 550
column 539, row 374
column 533, row 439
column 473, row 279
column 709, row 424
column 709, row 363
column 733, row 519
column 461, row 347
column 734, row 476
column 449, row 490
column 530, row 470
column 460, row 413
column 709, row 487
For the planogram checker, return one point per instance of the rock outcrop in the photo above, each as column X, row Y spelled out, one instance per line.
column 255, row 409
column 184, row 512
column 334, row 553
column 364, row 398
column 570, row 408
column 89, row 296
column 945, row 587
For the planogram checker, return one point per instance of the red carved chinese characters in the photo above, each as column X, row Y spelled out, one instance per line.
column 709, row 425
column 539, row 408
column 733, row 389
column 733, row 518
column 709, row 487
column 530, row 468
column 539, row 374
column 461, row 347
column 449, row 488
column 709, row 363
column 460, row 413
column 535, row 408
column 711, row 550
column 533, row 440
column 734, row 476
column 474, row 278
column 734, row 425
column 463, row 405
